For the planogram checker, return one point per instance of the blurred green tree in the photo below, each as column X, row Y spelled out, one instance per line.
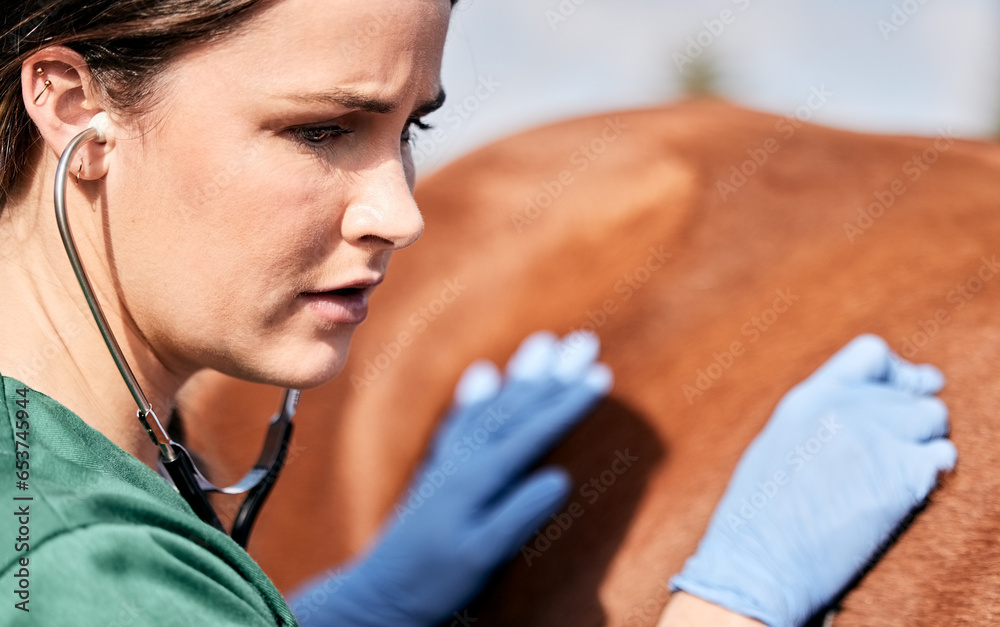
column 701, row 78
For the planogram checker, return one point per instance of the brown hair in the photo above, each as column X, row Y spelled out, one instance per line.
column 126, row 44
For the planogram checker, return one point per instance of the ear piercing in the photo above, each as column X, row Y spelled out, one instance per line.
column 48, row 84
column 79, row 171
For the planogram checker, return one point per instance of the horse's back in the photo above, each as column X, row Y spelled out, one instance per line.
column 721, row 255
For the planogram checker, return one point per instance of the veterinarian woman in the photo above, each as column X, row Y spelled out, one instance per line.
column 236, row 178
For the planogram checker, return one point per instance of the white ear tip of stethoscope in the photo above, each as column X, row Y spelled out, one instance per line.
column 101, row 123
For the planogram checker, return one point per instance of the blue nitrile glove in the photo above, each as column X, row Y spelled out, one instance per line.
column 473, row 502
column 846, row 456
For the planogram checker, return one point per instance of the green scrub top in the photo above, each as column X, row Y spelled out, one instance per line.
column 92, row 536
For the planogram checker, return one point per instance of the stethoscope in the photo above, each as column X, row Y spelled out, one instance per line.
column 175, row 461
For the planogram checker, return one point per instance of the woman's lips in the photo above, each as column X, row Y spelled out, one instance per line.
column 344, row 306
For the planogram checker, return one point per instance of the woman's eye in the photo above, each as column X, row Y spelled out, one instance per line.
column 321, row 135
column 408, row 131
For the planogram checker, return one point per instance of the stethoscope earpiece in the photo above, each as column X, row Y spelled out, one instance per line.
column 102, row 124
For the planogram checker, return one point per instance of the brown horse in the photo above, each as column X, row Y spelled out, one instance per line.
column 721, row 255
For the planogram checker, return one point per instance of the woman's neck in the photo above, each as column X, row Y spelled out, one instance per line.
column 48, row 336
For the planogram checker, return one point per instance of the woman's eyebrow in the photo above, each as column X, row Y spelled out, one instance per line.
column 350, row 99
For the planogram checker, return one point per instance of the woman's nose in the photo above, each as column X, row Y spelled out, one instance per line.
column 383, row 210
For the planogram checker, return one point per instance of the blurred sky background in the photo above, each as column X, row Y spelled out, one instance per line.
column 535, row 61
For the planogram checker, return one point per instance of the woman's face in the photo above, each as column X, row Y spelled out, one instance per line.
column 273, row 170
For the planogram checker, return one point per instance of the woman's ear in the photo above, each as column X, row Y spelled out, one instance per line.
column 61, row 98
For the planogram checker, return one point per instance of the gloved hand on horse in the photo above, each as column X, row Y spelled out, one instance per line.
column 847, row 454
column 475, row 499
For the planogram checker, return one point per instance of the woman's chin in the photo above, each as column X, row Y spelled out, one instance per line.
column 302, row 369
column 314, row 378
column 310, row 373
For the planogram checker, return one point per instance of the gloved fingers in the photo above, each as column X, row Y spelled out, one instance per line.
column 577, row 352
column 511, row 521
column 478, row 385
column 867, row 358
column 540, row 356
column 561, row 409
column 550, row 385
column 925, row 461
column 917, row 379
column 544, row 365
column 907, row 417
column 923, row 419
column 600, row 379
column 535, row 358
column 545, row 403
column 523, row 445
column 518, row 402
column 543, row 355
column 480, row 382
column 862, row 359
column 490, row 423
